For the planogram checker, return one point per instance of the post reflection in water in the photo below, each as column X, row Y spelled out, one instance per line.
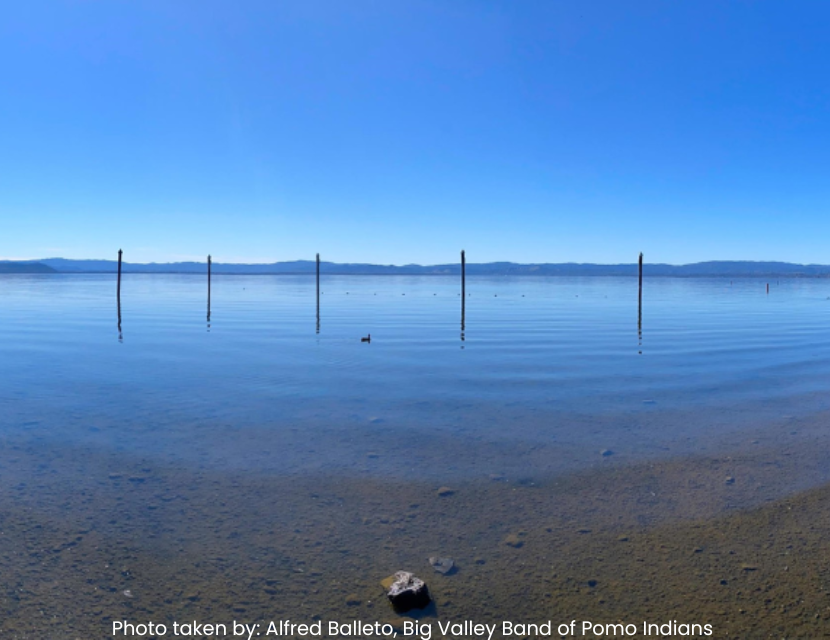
column 118, row 304
column 640, row 326
column 463, row 308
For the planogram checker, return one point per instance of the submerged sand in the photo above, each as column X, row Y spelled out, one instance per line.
column 88, row 537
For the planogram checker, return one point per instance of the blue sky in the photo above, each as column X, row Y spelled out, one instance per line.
column 397, row 132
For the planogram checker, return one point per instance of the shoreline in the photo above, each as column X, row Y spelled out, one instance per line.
column 652, row 541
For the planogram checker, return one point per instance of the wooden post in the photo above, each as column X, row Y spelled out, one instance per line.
column 208, row 269
column 641, row 279
column 463, row 274
column 119, row 276
column 118, row 295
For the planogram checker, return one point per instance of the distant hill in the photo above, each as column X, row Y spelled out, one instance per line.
column 731, row 269
column 25, row 267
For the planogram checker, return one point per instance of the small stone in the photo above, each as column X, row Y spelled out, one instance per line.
column 729, row 480
column 127, row 593
column 622, row 539
column 513, row 540
column 445, row 491
column 352, row 600
column 749, row 567
column 592, row 583
column 373, row 455
column 606, row 452
column 407, row 592
column 444, row 566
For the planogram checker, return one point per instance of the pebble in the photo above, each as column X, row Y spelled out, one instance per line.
column 513, row 540
column 606, row 452
column 442, row 565
column 445, row 491
column 729, row 480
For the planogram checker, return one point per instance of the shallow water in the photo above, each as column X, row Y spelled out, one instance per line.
column 253, row 443
column 542, row 361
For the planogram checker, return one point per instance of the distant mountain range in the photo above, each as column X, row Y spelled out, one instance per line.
column 734, row 269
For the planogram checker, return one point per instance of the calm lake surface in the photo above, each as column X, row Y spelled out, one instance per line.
column 269, row 457
column 548, row 360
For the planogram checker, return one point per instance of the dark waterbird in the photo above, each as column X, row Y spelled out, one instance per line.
column 368, row 338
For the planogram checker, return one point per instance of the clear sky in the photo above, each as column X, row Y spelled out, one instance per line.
column 398, row 131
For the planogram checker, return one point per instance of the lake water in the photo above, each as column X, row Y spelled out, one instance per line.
column 135, row 437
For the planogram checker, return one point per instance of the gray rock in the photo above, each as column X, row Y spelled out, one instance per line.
column 408, row 592
column 442, row 565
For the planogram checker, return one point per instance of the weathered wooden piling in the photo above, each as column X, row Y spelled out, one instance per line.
column 118, row 295
column 118, row 292
column 641, row 279
column 208, row 274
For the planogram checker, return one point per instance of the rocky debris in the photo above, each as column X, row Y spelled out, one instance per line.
column 729, row 480
column 445, row 566
column 445, row 491
column 353, row 600
column 606, row 452
column 406, row 592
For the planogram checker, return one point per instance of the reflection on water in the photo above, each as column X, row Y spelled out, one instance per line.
column 547, row 354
